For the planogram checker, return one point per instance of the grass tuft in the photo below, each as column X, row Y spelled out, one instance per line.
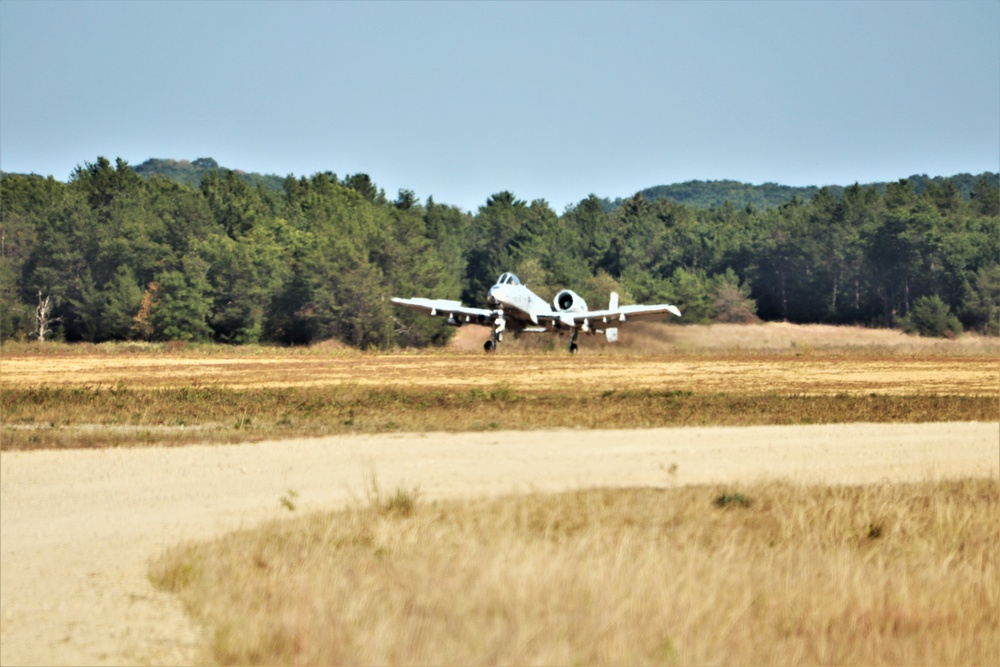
column 874, row 531
column 288, row 500
column 401, row 502
column 732, row 500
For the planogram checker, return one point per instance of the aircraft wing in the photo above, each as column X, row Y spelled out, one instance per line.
column 452, row 309
column 611, row 318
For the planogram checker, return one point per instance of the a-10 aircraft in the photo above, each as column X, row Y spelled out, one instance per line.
column 515, row 308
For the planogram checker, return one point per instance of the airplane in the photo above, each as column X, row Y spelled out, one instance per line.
column 515, row 308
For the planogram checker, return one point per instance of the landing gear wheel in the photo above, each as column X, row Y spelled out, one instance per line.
column 573, row 348
column 489, row 346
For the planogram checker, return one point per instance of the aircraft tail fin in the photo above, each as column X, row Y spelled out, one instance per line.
column 612, row 334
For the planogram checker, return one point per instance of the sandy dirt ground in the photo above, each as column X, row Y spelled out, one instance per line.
column 78, row 529
column 526, row 373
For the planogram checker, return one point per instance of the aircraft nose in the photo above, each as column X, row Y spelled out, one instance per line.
column 491, row 296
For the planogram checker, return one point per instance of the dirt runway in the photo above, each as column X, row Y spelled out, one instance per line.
column 79, row 528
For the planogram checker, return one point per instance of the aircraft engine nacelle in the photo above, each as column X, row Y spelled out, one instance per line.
column 568, row 301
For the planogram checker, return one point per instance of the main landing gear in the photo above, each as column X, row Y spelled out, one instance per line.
column 500, row 325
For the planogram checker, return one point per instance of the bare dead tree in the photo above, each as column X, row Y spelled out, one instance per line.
column 42, row 319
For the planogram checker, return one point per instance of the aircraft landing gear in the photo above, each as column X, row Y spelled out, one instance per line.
column 573, row 347
column 498, row 326
column 491, row 344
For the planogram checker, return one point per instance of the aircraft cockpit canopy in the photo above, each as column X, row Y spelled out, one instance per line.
column 508, row 279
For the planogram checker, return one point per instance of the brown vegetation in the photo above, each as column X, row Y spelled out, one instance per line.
column 92, row 417
column 95, row 396
column 757, row 574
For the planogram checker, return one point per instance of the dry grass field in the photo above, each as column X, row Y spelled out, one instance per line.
column 653, row 545
column 767, row 573
column 96, row 396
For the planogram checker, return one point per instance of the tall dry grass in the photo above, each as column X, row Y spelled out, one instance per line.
column 761, row 574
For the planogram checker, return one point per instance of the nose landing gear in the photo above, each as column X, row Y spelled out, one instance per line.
column 498, row 327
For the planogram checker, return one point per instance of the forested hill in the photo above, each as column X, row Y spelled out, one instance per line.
column 711, row 194
column 700, row 194
column 192, row 172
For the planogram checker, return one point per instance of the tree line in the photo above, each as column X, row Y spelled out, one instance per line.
column 114, row 256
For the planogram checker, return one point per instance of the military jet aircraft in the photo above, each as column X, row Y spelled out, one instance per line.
column 515, row 308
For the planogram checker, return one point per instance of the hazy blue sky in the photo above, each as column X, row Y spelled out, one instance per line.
column 550, row 100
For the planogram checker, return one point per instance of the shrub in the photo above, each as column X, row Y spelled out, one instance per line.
column 731, row 299
column 930, row 316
